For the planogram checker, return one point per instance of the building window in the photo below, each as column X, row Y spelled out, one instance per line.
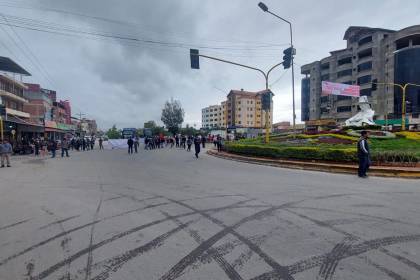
column 343, row 73
column 325, row 77
column 342, row 97
column 364, row 66
column 344, row 60
column 239, row 108
column 343, row 109
column 324, row 99
column 365, row 40
column 325, row 66
column 364, row 80
column 365, row 53
column 366, row 92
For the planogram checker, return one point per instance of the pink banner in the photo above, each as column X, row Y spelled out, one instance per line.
column 340, row 89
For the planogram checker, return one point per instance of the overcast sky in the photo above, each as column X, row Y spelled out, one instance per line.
column 126, row 83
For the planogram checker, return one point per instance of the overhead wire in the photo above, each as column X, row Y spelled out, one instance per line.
column 113, row 21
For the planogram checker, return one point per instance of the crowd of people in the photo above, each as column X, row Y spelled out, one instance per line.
column 43, row 147
column 178, row 140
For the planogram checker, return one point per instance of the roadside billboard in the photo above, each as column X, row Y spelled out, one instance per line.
column 329, row 88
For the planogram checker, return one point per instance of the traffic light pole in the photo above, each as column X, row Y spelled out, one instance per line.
column 266, row 76
column 403, row 109
column 293, row 66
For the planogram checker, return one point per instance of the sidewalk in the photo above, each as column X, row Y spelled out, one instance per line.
column 381, row 171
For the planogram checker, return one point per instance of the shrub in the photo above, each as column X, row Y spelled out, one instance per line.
column 305, row 153
column 409, row 135
column 377, row 134
column 339, row 136
column 394, row 157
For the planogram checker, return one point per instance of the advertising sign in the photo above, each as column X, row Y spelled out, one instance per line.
column 339, row 89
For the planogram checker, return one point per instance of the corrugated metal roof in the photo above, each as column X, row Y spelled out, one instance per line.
column 8, row 65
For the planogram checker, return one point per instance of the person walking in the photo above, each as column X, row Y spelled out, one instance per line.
column 65, row 147
column 53, row 148
column 189, row 143
column 92, row 143
column 363, row 154
column 197, row 143
column 203, row 141
column 101, row 146
column 130, row 143
column 136, row 144
column 177, row 140
column 5, row 152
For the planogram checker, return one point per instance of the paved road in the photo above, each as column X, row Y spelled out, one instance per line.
column 166, row 215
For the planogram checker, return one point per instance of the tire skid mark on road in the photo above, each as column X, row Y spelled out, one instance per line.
column 115, row 263
column 357, row 214
column 92, row 230
column 395, row 256
column 15, row 224
column 213, row 252
column 84, row 251
column 355, row 250
column 46, row 241
column 385, row 270
column 192, row 257
column 351, row 237
column 59, row 221
column 328, row 267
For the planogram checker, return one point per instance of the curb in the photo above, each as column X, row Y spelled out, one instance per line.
column 396, row 172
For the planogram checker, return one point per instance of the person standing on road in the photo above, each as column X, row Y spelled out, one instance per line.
column 36, row 146
column 65, row 147
column 5, row 152
column 101, row 147
column 136, row 144
column 92, row 143
column 197, row 143
column 219, row 143
column 177, row 140
column 53, row 148
column 363, row 154
column 130, row 143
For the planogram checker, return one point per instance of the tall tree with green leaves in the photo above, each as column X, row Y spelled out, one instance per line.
column 172, row 115
column 113, row 133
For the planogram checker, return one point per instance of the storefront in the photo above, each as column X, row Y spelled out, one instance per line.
column 19, row 130
column 57, row 131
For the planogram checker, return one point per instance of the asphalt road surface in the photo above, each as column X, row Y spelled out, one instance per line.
column 166, row 215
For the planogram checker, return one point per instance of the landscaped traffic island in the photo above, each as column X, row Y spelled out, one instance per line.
column 400, row 148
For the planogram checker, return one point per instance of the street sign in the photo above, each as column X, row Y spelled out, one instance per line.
column 195, row 59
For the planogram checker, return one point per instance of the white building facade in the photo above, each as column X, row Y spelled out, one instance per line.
column 211, row 117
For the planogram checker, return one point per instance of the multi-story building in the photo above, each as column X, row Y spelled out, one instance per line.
column 244, row 109
column 387, row 56
column 211, row 117
column 17, row 123
column 40, row 104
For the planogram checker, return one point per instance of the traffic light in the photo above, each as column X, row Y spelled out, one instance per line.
column 2, row 110
column 374, row 84
column 195, row 59
column 266, row 101
column 287, row 57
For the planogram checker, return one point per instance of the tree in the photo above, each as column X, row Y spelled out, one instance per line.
column 172, row 115
column 113, row 133
column 150, row 124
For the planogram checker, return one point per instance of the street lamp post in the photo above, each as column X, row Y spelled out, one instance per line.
column 265, row 9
